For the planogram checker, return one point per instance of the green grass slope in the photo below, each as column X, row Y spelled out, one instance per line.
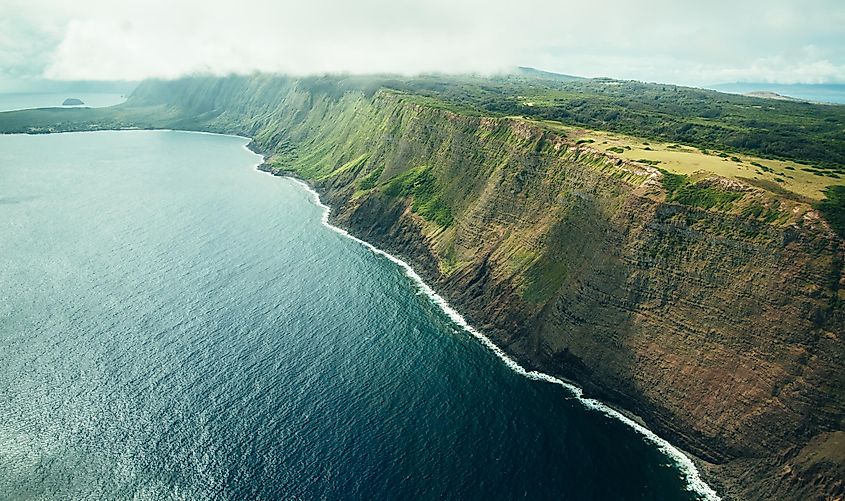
column 705, row 300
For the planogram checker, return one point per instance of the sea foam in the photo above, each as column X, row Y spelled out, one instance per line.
column 682, row 461
column 694, row 481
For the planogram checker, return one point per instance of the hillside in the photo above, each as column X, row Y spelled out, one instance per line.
column 673, row 266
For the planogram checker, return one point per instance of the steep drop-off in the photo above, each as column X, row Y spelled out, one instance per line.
column 719, row 320
column 710, row 308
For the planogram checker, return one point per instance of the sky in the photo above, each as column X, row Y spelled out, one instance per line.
column 683, row 42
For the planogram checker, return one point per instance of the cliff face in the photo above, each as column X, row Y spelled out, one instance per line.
column 718, row 319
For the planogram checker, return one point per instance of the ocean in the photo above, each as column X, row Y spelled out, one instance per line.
column 818, row 93
column 175, row 324
column 24, row 101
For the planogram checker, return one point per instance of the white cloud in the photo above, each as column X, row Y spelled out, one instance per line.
column 656, row 40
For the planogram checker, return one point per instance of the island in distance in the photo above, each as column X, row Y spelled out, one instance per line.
column 72, row 101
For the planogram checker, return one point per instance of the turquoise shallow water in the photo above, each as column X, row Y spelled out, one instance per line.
column 177, row 325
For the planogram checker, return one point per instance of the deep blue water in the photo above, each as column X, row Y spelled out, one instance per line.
column 177, row 325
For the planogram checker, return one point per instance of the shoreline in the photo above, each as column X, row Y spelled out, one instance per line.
column 686, row 463
column 682, row 460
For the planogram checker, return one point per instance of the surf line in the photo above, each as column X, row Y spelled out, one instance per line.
column 682, row 461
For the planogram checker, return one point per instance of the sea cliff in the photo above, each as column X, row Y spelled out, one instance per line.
column 711, row 308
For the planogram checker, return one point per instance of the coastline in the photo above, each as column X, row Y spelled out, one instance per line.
column 714, row 325
column 682, row 460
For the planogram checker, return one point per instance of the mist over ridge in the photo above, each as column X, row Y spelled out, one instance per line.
column 656, row 40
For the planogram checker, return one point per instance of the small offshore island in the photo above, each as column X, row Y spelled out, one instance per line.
column 72, row 101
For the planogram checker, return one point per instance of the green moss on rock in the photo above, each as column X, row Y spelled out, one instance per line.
column 421, row 186
column 833, row 208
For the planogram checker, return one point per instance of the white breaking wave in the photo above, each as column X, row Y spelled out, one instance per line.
column 682, row 461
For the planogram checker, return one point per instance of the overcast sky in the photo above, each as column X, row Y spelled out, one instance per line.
column 653, row 40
